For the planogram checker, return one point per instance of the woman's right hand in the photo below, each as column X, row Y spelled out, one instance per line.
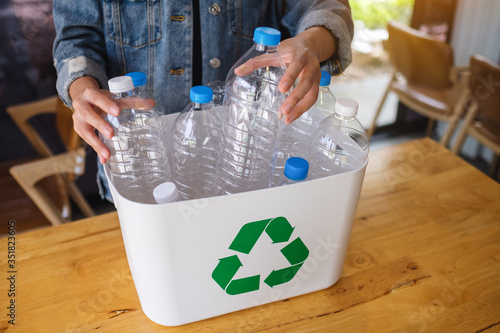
column 90, row 103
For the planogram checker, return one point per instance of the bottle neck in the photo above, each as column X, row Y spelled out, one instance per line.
column 122, row 94
column 344, row 118
column 324, row 89
column 200, row 106
column 265, row 48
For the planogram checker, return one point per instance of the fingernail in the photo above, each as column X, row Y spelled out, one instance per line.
column 286, row 109
column 114, row 110
column 108, row 133
column 241, row 69
column 105, row 155
column 285, row 86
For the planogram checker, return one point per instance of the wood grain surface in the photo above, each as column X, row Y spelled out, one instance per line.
column 424, row 256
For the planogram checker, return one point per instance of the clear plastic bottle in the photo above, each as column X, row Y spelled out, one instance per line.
column 141, row 88
column 295, row 137
column 195, row 146
column 340, row 144
column 140, row 83
column 251, row 122
column 296, row 169
column 138, row 161
column 326, row 101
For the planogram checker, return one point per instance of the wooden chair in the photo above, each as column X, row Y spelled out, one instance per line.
column 424, row 78
column 482, row 118
column 50, row 181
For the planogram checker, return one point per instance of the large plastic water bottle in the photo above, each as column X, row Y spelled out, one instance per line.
column 195, row 146
column 251, row 122
column 296, row 169
column 138, row 161
column 295, row 137
column 340, row 144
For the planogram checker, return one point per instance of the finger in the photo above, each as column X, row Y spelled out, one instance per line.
column 305, row 104
column 86, row 114
column 268, row 59
column 137, row 103
column 307, row 85
column 100, row 99
column 89, row 108
column 87, row 133
column 292, row 73
column 151, row 102
column 102, row 160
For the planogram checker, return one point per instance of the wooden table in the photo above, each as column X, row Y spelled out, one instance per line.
column 424, row 256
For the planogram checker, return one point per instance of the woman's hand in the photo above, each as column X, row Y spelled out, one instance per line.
column 302, row 54
column 90, row 104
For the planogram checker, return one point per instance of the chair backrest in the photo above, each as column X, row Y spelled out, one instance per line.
column 484, row 85
column 421, row 59
column 24, row 114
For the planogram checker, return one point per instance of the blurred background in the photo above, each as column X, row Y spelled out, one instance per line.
column 27, row 74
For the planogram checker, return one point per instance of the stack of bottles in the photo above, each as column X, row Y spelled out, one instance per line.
column 241, row 145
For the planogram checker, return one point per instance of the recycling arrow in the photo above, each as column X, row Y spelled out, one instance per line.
column 279, row 230
column 244, row 285
column 248, row 236
column 295, row 252
column 281, row 276
column 226, row 270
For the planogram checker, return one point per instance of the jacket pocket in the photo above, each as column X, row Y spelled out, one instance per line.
column 133, row 23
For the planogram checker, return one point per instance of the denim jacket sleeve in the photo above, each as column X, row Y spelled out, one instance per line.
column 79, row 47
column 334, row 15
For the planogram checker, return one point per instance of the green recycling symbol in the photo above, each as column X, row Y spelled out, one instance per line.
column 280, row 231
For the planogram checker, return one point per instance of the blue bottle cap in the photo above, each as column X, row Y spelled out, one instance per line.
column 267, row 36
column 139, row 78
column 201, row 94
column 326, row 78
column 296, row 168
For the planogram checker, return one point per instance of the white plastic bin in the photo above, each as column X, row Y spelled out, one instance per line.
column 198, row 259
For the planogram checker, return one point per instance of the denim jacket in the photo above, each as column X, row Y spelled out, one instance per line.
column 107, row 38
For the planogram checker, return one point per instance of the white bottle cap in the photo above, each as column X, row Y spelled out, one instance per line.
column 120, row 84
column 166, row 192
column 346, row 107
